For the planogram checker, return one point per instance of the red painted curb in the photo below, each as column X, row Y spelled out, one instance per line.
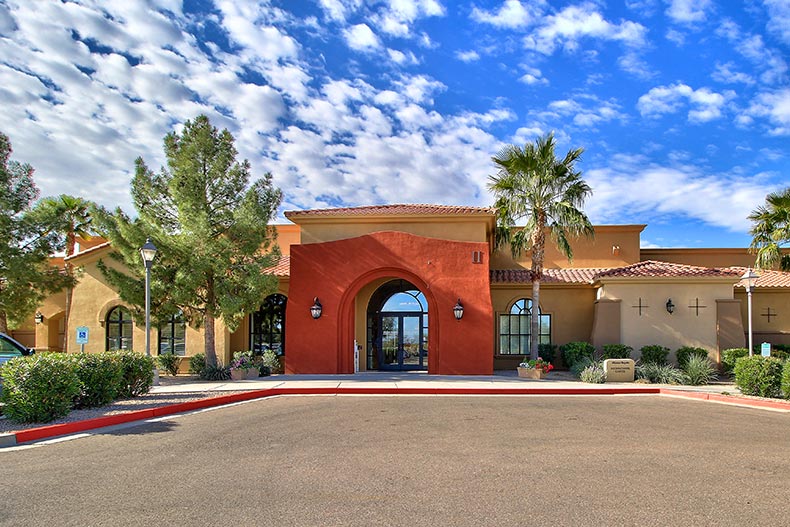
column 44, row 432
column 729, row 399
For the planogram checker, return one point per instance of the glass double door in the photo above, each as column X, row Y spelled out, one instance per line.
column 404, row 342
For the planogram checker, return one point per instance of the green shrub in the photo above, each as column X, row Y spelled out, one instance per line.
column 683, row 354
column 573, row 352
column 760, row 376
column 138, row 373
column 197, row 363
column 779, row 354
column 215, row 373
column 786, row 380
column 39, row 388
column 698, row 369
column 730, row 356
column 547, row 352
column 616, row 351
column 580, row 365
column 593, row 374
column 654, row 354
column 272, row 361
column 100, row 376
column 169, row 362
column 660, row 373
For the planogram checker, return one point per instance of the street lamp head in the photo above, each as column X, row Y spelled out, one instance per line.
column 148, row 252
column 751, row 278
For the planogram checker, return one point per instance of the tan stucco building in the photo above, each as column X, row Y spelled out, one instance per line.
column 389, row 277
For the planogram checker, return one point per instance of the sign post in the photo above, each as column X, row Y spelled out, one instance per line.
column 82, row 337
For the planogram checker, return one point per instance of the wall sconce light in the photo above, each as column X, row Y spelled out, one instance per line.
column 316, row 308
column 670, row 306
column 458, row 310
column 39, row 317
column 616, row 250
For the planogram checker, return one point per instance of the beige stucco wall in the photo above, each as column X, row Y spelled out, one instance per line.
column 606, row 323
column 288, row 234
column 461, row 229
column 570, row 307
column 612, row 246
column 655, row 325
column 777, row 331
column 702, row 257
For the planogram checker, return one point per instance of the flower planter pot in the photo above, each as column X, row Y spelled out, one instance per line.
column 241, row 375
column 531, row 373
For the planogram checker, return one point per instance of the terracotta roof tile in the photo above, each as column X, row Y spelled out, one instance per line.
column 392, row 210
column 282, row 267
column 655, row 269
column 768, row 278
column 557, row 276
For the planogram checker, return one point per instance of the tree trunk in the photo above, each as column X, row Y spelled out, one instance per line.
column 3, row 322
column 538, row 254
column 208, row 319
column 211, row 355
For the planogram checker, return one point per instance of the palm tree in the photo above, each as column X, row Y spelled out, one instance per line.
column 72, row 219
column 532, row 184
column 771, row 230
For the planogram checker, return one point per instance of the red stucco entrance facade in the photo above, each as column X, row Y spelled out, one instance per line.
column 336, row 271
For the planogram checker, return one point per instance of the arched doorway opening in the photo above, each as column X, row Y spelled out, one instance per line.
column 397, row 323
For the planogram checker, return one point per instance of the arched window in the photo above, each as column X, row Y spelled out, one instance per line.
column 172, row 335
column 515, row 328
column 118, row 329
column 267, row 326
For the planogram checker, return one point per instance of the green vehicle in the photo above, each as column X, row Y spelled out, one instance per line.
column 10, row 349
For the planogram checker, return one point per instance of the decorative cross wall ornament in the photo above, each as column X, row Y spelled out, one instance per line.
column 640, row 306
column 768, row 314
column 697, row 306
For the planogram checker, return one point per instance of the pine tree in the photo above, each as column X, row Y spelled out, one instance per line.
column 210, row 227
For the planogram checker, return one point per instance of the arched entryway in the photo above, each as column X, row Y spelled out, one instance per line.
column 397, row 323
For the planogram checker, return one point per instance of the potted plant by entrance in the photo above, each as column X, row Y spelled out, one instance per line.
column 243, row 366
column 534, row 369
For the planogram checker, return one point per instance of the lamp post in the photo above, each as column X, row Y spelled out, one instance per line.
column 148, row 252
column 750, row 277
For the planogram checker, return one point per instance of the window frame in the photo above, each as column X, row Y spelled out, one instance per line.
column 544, row 337
column 268, row 337
column 123, row 322
column 177, row 319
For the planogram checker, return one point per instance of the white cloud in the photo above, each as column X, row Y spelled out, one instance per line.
column 338, row 10
column 642, row 189
column 401, row 58
column 419, row 88
column 779, row 23
column 467, row 56
column 532, row 76
column 725, row 74
column 397, row 16
column 511, row 14
column 776, row 107
column 361, row 38
column 706, row 105
column 585, row 111
column 576, row 22
column 772, row 63
column 688, row 11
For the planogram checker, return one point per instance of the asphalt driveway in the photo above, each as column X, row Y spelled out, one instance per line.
column 603, row 460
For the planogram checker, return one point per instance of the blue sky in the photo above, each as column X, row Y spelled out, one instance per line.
column 683, row 107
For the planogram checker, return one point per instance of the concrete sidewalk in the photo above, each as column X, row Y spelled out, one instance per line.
column 505, row 381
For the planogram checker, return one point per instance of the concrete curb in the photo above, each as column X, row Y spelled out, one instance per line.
column 51, row 431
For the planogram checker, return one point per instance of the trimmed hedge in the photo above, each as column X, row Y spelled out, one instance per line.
column 730, row 356
column 547, row 352
column 786, row 380
column 138, row 373
column 760, row 376
column 39, row 388
column 616, row 351
column 574, row 352
column 655, row 354
column 100, row 377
